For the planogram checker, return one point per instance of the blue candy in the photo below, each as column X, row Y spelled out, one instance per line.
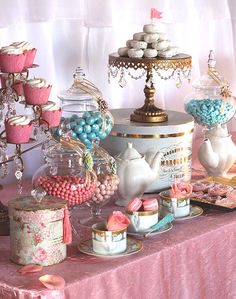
column 78, row 129
column 81, row 122
column 87, row 129
column 90, row 120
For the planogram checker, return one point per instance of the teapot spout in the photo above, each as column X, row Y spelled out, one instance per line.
column 156, row 163
column 206, row 155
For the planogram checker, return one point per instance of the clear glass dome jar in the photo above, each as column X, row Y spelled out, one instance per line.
column 210, row 104
column 65, row 176
column 82, row 117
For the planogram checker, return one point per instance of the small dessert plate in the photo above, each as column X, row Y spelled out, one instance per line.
column 133, row 246
column 164, row 229
column 195, row 211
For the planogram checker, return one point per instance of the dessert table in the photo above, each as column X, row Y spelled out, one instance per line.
column 195, row 259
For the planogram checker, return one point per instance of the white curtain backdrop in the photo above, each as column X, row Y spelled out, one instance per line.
column 71, row 33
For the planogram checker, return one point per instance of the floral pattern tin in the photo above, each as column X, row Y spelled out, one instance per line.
column 36, row 230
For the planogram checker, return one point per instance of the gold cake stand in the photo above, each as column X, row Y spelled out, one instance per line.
column 176, row 67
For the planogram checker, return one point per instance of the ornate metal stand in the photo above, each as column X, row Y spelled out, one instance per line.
column 175, row 67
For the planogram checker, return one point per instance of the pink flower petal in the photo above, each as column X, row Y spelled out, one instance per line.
column 30, row 269
column 52, row 282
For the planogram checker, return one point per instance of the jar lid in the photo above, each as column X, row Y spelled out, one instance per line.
column 29, row 203
column 75, row 92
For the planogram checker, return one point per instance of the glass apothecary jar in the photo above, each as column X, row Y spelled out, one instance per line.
column 210, row 103
column 65, row 176
column 106, row 186
column 85, row 116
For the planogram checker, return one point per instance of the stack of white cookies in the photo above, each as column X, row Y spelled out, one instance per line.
column 150, row 43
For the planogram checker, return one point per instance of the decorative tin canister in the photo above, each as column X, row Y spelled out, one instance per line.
column 38, row 230
column 173, row 138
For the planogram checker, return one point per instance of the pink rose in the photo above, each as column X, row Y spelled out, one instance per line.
column 39, row 255
column 117, row 221
column 180, row 190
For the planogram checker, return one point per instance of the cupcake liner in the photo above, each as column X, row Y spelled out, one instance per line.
column 52, row 117
column 12, row 63
column 36, row 95
column 18, row 86
column 18, row 134
column 30, row 55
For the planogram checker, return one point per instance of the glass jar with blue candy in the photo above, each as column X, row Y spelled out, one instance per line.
column 211, row 102
column 85, row 113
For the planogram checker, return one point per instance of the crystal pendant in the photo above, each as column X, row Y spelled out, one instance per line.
column 18, row 174
column 38, row 194
column 53, row 170
column 122, row 82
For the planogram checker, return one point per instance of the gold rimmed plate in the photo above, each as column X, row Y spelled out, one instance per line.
column 195, row 211
column 164, row 229
column 133, row 246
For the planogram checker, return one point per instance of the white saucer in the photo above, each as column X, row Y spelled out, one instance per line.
column 195, row 211
column 164, row 229
column 133, row 246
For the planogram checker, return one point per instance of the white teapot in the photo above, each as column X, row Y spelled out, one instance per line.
column 135, row 174
column 217, row 153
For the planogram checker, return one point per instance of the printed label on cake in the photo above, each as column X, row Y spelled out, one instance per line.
column 176, row 162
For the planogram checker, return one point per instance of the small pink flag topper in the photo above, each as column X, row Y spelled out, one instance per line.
column 155, row 14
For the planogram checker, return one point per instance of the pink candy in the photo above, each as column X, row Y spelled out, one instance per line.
column 106, row 186
column 144, row 204
column 150, row 204
column 134, row 205
column 71, row 188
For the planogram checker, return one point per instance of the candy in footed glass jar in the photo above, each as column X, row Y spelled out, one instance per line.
column 64, row 175
column 85, row 116
column 211, row 103
column 207, row 105
column 106, row 186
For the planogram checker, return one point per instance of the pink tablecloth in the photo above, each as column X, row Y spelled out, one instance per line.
column 196, row 259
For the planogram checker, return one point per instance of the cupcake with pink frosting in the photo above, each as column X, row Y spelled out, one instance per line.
column 18, row 129
column 12, row 59
column 29, row 51
column 51, row 114
column 37, row 91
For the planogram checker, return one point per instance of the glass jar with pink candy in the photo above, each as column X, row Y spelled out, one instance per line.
column 104, row 166
column 67, row 174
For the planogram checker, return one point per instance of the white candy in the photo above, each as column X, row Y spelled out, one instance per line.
column 166, row 54
column 161, row 45
column 150, row 28
column 139, row 36
column 151, row 37
column 135, row 53
column 138, row 44
column 128, row 43
column 123, row 51
column 162, row 35
column 150, row 53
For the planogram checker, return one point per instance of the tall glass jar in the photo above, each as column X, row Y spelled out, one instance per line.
column 65, row 176
column 210, row 103
column 85, row 116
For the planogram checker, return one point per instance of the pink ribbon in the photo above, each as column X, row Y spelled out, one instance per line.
column 67, row 233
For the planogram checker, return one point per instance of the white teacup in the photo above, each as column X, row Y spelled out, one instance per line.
column 108, row 242
column 141, row 221
column 180, row 207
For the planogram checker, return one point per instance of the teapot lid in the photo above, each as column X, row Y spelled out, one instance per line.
column 129, row 153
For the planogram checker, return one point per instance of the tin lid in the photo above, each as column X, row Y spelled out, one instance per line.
column 29, row 203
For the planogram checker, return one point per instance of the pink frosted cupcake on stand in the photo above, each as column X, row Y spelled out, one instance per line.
column 18, row 129
column 12, row 59
column 29, row 51
column 37, row 91
column 51, row 113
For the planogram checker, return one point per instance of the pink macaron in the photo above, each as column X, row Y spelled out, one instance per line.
column 150, row 204
column 134, row 205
